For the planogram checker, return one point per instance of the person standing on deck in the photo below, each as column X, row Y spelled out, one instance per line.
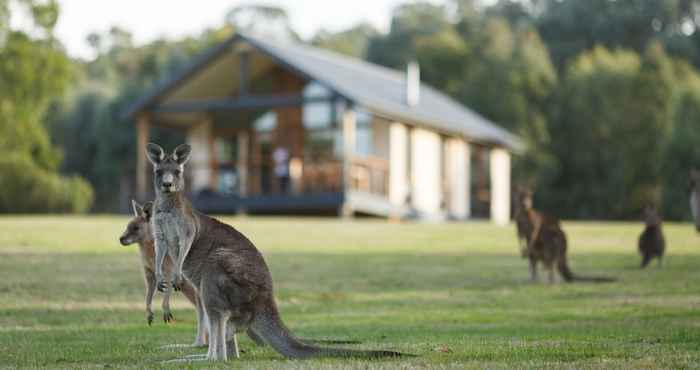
column 280, row 157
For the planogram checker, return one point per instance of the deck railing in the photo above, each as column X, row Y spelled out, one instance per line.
column 370, row 175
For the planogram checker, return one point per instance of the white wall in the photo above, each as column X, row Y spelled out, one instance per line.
column 458, row 171
column 425, row 172
column 500, row 186
column 198, row 137
column 398, row 163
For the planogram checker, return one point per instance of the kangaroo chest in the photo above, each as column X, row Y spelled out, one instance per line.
column 170, row 226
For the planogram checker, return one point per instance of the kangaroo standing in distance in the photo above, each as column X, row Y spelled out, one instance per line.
column 651, row 241
column 695, row 196
column 545, row 241
column 230, row 274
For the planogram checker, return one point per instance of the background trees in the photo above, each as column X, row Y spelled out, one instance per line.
column 33, row 71
column 605, row 93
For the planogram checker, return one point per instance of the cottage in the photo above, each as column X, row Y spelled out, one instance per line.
column 281, row 127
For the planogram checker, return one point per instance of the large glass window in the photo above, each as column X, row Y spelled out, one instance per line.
column 318, row 117
column 363, row 133
column 226, row 151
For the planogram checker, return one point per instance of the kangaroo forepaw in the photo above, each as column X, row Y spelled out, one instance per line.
column 167, row 317
column 177, row 286
column 163, row 286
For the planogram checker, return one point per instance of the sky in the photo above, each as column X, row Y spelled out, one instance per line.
column 151, row 19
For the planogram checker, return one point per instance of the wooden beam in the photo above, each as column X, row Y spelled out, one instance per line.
column 243, row 102
column 142, row 137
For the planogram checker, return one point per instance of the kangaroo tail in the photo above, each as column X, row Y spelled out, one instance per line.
column 330, row 341
column 269, row 326
column 564, row 270
column 570, row 277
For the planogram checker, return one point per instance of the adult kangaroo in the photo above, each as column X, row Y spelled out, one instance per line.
column 652, row 243
column 695, row 196
column 543, row 240
column 229, row 272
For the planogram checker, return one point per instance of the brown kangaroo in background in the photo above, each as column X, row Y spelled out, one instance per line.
column 230, row 274
column 695, row 196
column 544, row 241
column 651, row 241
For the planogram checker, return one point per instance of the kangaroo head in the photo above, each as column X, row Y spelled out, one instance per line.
column 651, row 216
column 695, row 196
column 138, row 230
column 524, row 198
column 168, row 170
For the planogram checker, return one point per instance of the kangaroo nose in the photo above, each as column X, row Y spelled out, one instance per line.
column 122, row 240
column 167, row 184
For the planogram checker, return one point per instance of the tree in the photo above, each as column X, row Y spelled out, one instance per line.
column 352, row 42
column 409, row 22
column 610, row 126
column 29, row 156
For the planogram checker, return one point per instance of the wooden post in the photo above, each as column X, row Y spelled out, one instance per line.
column 213, row 159
column 142, row 137
column 200, row 164
column 242, row 163
column 348, row 125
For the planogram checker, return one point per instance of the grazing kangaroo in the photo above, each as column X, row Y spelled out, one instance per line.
column 651, row 241
column 695, row 196
column 231, row 276
column 545, row 241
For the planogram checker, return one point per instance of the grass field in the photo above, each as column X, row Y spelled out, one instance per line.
column 456, row 294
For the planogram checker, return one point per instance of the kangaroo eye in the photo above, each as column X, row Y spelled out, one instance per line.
column 159, row 172
column 177, row 172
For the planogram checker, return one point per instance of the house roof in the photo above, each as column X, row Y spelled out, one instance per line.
column 376, row 88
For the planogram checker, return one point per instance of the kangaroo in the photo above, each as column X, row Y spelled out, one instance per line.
column 545, row 242
column 651, row 241
column 230, row 274
column 695, row 196
column 139, row 231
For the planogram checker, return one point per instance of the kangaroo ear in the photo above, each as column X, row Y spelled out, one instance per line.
column 154, row 153
column 147, row 210
column 181, row 154
column 138, row 210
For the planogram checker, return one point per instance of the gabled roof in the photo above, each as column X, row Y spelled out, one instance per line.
column 376, row 88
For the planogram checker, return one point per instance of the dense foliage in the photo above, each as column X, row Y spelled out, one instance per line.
column 33, row 71
column 605, row 93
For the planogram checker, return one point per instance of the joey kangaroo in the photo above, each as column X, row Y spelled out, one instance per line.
column 139, row 231
column 544, row 241
column 695, row 196
column 230, row 274
column 651, row 241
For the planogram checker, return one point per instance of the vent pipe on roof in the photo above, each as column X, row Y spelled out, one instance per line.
column 412, row 84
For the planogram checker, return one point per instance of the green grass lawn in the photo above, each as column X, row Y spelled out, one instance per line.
column 455, row 294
